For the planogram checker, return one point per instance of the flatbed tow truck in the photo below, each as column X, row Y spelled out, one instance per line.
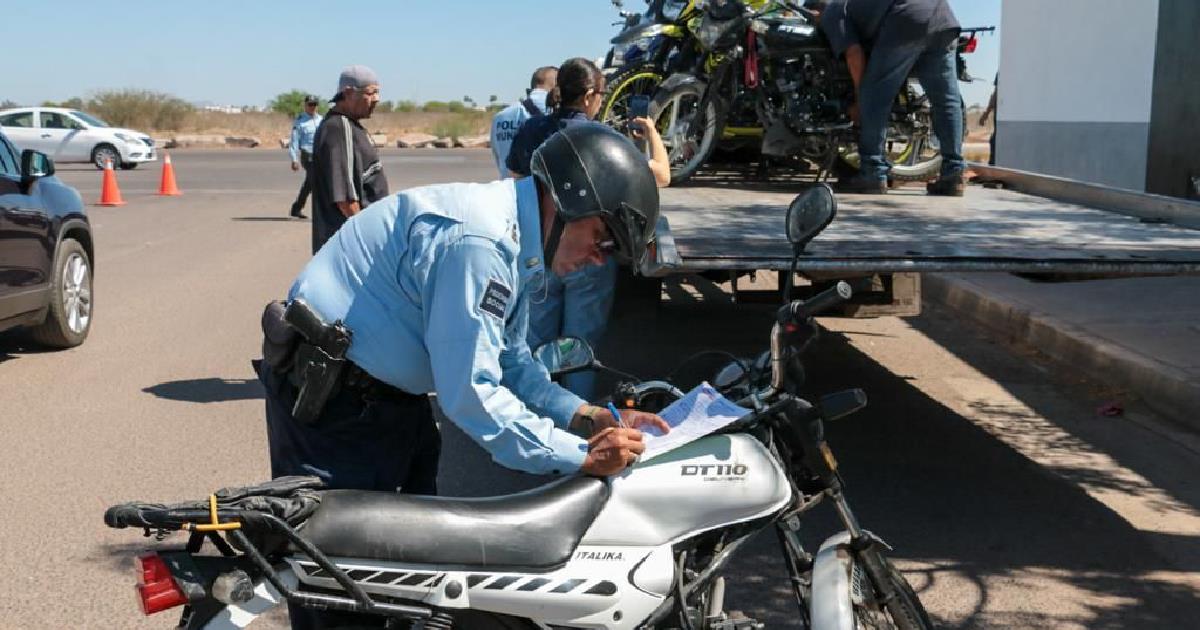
column 1021, row 222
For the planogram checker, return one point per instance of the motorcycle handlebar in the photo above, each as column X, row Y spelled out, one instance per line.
column 802, row 310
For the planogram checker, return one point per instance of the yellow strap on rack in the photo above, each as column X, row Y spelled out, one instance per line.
column 215, row 525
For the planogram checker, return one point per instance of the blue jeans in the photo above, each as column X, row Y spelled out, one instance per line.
column 932, row 60
column 576, row 305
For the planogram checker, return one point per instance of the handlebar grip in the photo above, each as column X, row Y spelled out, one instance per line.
column 801, row 310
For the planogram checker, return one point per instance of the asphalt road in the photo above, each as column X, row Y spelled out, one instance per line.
column 1009, row 501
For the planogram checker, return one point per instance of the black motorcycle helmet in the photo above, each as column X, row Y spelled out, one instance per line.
column 591, row 170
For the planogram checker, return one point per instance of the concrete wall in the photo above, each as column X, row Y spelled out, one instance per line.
column 1076, row 84
column 1174, row 151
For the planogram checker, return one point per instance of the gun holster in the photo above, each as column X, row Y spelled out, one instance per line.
column 320, row 359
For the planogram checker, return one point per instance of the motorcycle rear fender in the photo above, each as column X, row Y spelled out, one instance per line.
column 238, row 616
column 831, row 597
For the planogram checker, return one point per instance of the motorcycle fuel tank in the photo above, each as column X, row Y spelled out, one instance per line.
column 786, row 36
column 712, row 482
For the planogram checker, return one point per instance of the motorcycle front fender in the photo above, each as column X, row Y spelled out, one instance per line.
column 832, row 603
column 679, row 79
column 238, row 616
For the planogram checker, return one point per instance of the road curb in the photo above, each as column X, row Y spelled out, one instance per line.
column 1164, row 388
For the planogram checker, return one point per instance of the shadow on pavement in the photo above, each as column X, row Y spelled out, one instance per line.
column 207, row 390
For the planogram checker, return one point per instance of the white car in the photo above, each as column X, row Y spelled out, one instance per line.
column 69, row 135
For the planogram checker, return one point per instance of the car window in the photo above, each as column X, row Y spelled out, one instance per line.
column 9, row 163
column 19, row 119
column 55, row 120
column 89, row 119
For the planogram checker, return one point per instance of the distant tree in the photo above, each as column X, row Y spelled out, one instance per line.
column 71, row 103
column 436, row 106
column 292, row 103
column 405, row 106
column 456, row 107
column 385, row 107
column 7, row 103
column 141, row 109
column 493, row 98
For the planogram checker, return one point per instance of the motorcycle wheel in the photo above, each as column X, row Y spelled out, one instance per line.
column 690, row 135
column 905, row 612
column 643, row 79
column 914, row 157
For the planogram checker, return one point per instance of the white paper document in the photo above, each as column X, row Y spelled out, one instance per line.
column 701, row 412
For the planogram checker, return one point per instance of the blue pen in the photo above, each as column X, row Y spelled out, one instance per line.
column 616, row 414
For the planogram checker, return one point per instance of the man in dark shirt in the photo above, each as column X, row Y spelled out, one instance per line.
column 884, row 41
column 346, row 173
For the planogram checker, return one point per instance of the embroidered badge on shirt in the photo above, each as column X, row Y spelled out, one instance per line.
column 495, row 299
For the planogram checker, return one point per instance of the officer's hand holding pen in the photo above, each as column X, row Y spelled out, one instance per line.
column 616, row 440
column 611, row 417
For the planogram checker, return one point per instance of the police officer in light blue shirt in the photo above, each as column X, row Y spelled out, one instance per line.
column 304, row 129
column 508, row 121
column 433, row 285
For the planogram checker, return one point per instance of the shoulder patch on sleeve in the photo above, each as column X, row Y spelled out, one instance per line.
column 495, row 299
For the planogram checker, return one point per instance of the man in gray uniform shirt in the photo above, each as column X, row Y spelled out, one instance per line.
column 347, row 175
column 884, row 41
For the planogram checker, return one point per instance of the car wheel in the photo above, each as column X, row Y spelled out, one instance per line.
column 105, row 153
column 128, row 166
column 69, row 317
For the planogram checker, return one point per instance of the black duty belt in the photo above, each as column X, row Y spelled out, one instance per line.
column 356, row 379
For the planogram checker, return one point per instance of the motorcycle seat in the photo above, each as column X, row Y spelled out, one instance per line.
column 535, row 529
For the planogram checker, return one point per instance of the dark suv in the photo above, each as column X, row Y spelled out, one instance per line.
column 45, row 251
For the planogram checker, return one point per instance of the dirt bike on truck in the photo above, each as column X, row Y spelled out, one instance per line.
column 643, row 549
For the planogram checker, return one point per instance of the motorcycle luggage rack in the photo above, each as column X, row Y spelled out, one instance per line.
column 359, row 602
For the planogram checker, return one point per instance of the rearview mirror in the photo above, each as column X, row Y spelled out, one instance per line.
column 565, row 355
column 809, row 214
column 35, row 164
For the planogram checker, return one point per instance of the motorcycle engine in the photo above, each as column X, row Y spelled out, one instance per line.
column 804, row 86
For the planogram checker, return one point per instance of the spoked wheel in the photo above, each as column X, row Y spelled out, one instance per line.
column 903, row 612
column 639, row 80
column 910, row 147
column 689, row 125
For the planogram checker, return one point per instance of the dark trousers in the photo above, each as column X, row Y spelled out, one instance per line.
column 306, row 187
column 357, row 443
column 895, row 55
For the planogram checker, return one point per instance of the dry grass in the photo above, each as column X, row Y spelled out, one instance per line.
column 269, row 127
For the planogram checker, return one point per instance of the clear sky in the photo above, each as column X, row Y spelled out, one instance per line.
column 245, row 52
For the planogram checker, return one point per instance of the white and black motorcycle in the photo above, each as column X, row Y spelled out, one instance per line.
column 644, row 549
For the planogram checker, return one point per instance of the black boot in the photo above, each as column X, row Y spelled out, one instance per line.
column 862, row 185
column 946, row 186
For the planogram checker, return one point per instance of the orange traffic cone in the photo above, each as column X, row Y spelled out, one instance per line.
column 167, row 186
column 110, row 194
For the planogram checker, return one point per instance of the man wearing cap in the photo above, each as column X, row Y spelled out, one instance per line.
column 346, row 173
column 304, row 129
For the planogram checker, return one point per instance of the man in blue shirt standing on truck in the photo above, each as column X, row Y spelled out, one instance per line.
column 304, row 129
column 884, row 41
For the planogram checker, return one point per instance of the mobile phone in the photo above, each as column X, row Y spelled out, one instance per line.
column 639, row 105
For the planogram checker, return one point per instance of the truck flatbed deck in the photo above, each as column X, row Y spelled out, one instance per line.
column 1068, row 227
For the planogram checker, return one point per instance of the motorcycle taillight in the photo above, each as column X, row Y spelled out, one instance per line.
column 156, row 587
column 969, row 47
